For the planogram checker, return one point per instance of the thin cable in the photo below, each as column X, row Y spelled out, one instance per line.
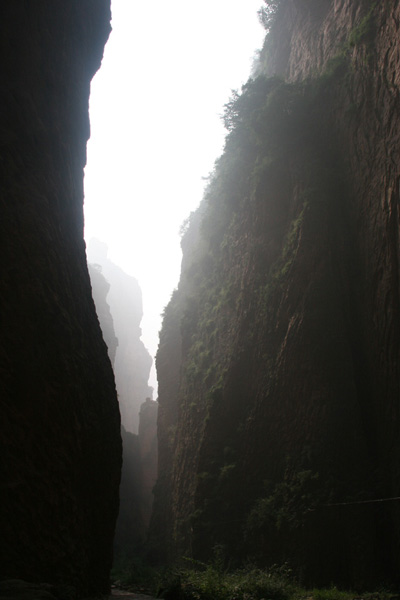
column 397, row 498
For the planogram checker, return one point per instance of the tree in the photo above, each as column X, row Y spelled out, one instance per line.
column 267, row 13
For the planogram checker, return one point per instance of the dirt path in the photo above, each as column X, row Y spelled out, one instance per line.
column 117, row 594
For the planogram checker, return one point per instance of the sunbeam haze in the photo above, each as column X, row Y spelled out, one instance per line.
column 156, row 131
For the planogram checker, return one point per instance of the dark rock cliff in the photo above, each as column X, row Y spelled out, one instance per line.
column 148, row 454
column 278, row 362
column 130, row 529
column 60, row 444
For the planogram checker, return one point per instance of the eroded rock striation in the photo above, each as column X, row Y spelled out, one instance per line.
column 278, row 362
column 60, row 444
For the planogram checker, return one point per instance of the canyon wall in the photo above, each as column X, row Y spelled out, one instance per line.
column 60, row 444
column 132, row 361
column 139, row 464
column 139, row 473
column 278, row 362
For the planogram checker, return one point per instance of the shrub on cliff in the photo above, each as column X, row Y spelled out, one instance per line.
column 267, row 13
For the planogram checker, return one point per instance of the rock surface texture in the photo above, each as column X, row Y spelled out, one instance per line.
column 278, row 363
column 60, row 445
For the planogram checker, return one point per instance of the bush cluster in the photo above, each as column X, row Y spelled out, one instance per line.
column 211, row 582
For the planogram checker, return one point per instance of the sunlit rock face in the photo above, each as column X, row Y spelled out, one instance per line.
column 278, row 362
column 132, row 362
column 60, row 443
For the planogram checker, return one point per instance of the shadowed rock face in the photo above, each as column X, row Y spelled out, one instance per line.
column 148, row 454
column 278, row 363
column 139, row 472
column 60, row 445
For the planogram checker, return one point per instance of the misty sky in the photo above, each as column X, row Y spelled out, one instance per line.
column 156, row 131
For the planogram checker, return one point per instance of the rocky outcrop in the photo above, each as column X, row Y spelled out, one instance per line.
column 278, row 362
column 60, row 445
column 100, row 289
column 132, row 360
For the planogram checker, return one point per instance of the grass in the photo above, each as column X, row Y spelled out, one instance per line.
column 211, row 582
column 331, row 594
column 200, row 581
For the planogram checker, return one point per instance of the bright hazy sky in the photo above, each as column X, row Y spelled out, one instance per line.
column 155, row 109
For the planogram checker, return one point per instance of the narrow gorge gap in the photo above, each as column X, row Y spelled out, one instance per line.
column 156, row 130
column 279, row 356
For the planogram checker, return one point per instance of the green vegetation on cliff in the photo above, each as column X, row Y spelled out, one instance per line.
column 241, row 251
column 275, row 404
